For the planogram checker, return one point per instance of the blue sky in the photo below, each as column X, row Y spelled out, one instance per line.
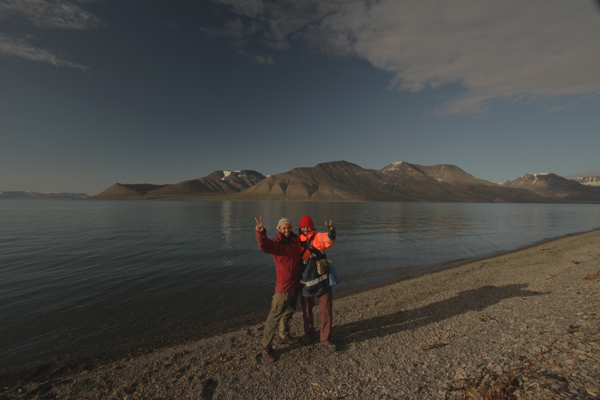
column 94, row 92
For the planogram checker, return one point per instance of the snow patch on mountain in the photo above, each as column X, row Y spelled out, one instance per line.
column 588, row 180
column 396, row 166
column 226, row 174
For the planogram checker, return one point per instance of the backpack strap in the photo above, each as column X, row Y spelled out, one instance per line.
column 312, row 249
column 306, row 246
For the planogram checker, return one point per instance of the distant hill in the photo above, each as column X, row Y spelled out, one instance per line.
column 442, row 173
column 588, row 180
column 334, row 181
column 38, row 195
column 445, row 182
column 240, row 179
column 218, row 184
column 556, row 187
column 345, row 181
column 125, row 191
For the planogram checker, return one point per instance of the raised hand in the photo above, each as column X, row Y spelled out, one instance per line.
column 330, row 229
column 259, row 224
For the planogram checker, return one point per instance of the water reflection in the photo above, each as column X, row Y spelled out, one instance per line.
column 114, row 271
column 226, row 224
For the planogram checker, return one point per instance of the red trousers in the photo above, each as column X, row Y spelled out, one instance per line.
column 326, row 311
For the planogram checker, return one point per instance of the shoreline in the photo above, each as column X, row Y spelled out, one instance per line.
column 443, row 331
column 459, row 263
column 92, row 356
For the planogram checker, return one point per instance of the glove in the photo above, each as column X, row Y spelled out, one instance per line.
column 330, row 232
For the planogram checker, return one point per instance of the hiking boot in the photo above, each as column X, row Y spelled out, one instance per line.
column 288, row 340
column 268, row 354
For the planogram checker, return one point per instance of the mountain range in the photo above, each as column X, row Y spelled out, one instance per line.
column 38, row 195
column 345, row 181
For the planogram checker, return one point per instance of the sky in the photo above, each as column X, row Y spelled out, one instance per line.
column 97, row 92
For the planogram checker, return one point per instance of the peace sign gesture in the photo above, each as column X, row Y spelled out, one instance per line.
column 331, row 229
column 259, row 224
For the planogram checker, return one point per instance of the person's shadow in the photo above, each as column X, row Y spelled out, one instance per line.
column 468, row 300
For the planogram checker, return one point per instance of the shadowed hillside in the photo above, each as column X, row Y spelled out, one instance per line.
column 553, row 186
column 123, row 191
column 333, row 181
column 445, row 182
column 216, row 185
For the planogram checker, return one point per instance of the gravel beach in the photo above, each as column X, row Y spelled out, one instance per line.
column 523, row 325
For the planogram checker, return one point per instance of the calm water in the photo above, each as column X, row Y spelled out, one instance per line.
column 84, row 276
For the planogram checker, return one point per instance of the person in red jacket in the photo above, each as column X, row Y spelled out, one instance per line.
column 286, row 250
column 313, row 284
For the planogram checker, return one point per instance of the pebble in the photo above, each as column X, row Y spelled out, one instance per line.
column 497, row 329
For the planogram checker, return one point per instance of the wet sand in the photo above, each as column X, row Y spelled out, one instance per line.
column 520, row 325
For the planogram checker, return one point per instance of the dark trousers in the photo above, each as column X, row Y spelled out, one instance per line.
column 326, row 311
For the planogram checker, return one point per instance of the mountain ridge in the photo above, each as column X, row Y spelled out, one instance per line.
column 552, row 185
column 26, row 194
column 346, row 181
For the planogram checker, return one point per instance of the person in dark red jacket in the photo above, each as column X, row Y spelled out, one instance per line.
column 286, row 250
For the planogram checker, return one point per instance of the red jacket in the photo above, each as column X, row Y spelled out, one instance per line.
column 286, row 257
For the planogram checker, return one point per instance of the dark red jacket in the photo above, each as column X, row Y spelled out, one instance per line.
column 286, row 257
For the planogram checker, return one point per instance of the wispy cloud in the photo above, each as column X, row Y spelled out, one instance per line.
column 48, row 13
column 506, row 49
column 20, row 49
column 593, row 172
column 40, row 15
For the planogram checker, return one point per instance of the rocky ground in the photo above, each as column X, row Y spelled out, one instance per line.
column 523, row 325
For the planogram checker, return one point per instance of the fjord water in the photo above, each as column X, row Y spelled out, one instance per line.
column 84, row 277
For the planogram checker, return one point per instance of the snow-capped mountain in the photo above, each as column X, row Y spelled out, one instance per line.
column 554, row 186
column 445, row 173
column 588, row 180
column 240, row 179
column 219, row 183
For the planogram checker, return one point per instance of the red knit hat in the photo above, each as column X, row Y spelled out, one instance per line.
column 307, row 221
